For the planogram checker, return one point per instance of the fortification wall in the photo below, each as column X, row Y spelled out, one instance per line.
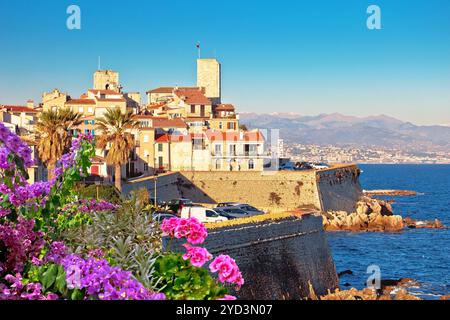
column 277, row 258
column 166, row 186
column 339, row 189
column 278, row 191
column 333, row 189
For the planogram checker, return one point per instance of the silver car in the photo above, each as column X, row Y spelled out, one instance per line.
column 250, row 210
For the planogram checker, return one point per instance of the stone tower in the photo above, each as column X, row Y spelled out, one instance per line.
column 208, row 77
column 106, row 80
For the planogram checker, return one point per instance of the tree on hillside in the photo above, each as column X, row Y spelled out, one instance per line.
column 114, row 136
column 53, row 134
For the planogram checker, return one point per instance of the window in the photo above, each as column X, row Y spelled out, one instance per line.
column 145, row 167
column 160, row 162
column 218, row 164
column 160, row 147
column 232, row 149
column 251, row 164
column 217, row 149
column 80, row 109
column 90, row 110
column 192, row 108
column 198, row 144
column 146, row 138
column 86, row 131
column 231, row 126
column 86, row 121
column 92, row 121
column 220, row 125
column 202, row 111
column 93, row 132
column 251, row 149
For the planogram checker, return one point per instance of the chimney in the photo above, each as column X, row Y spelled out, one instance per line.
column 30, row 104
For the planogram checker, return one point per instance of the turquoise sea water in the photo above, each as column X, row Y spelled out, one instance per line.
column 420, row 254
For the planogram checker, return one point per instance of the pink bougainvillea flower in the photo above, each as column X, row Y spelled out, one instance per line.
column 197, row 255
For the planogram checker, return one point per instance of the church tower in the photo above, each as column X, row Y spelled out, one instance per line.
column 106, row 80
column 208, row 77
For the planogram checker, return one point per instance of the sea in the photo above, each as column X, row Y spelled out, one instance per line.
column 420, row 254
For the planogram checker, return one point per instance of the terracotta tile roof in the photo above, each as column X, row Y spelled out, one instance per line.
column 193, row 96
column 224, row 107
column 164, row 138
column 19, row 109
column 250, row 136
column 111, row 99
column 155, row 106
column 170, row 89
column 81, row 101
column 169, row 123
column 162, row 122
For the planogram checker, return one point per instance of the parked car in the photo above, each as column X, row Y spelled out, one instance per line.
column 161, row 216
column 175, row 205
column 232, row 212
column 202, row 214
column 160, row 203
column 224, row 214
column 303, row 166
column 320, row 166
column 242, row 206
column 287, row 166
column 227, row 204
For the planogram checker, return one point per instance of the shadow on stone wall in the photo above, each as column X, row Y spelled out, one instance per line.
column 277, row 258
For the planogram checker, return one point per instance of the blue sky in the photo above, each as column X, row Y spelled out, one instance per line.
column 308, row 57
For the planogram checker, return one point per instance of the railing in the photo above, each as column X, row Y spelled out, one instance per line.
column 240, row 155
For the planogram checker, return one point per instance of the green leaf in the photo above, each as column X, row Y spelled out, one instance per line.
column 61, row 279
column 77, row 295
column 49, row 277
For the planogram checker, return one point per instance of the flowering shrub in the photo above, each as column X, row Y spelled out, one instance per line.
column 194, row 231
column 183, row 276
column 33, row 265
column 37, row 253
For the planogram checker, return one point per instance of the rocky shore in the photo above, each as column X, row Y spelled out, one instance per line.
column 371, row 193
column 374, row 215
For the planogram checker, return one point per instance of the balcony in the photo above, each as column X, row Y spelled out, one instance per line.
column 240, row 155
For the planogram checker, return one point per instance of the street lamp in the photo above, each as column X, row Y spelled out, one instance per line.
column 155, row 179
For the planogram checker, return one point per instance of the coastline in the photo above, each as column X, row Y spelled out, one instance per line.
column 393, row 252
column 404, row 163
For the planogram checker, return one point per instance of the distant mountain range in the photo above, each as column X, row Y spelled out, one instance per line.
column 339, row 129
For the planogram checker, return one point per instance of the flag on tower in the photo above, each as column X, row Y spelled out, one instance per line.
column 198, row 48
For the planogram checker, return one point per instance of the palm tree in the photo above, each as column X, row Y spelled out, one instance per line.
column 114, row 135
column 53, row 135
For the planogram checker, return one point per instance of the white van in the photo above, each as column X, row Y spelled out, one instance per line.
column 202, row 214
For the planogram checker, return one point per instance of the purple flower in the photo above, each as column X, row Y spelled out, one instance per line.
column 104, row 282
column 57, row 252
